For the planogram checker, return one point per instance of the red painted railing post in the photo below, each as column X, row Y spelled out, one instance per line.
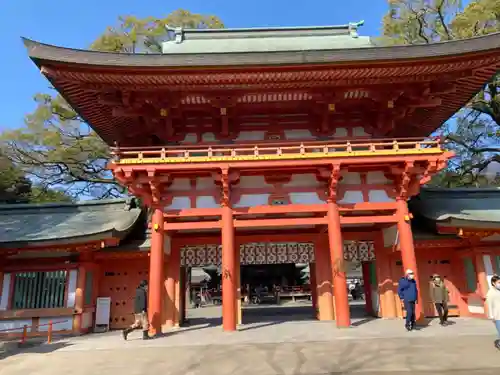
column 25, row 333
column 49, row 333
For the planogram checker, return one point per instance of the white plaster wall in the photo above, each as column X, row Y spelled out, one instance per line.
column 302, row 180
column 203, row 183
column 340, row 133
column 379, row 196
column 359, row 131
column 298, row 134
column 4, row 297
column 206, row 202
column 251, row 136
column 252, row 182
column 390, row 235
column 15, row 325
column 476, row 309
column 252, row 200
column 190, row 138
column 179, row 203
column 305, row 198
column 488, row 269
column 70, row 301
column 180, row 184
column 376, row 177
column 352, row 197
column 208, row 137
column 350, row 178
column 59, row 323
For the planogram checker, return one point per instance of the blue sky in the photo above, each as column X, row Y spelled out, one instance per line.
column 77, row 23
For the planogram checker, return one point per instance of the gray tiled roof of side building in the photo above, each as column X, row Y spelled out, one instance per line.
column 61, row 223
column 474, row 207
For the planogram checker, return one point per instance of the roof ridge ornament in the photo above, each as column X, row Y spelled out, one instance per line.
column 178, row 32
column 353, row 28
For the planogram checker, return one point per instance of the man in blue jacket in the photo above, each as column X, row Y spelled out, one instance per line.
column 408, row 293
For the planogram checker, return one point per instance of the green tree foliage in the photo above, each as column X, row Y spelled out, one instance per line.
column 136, row 35
column 474, row 135
column 56, row 148
column 16, row 188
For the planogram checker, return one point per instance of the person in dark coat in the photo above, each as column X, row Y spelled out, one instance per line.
column 440, row 297
column 140, row 312
column 408, row 293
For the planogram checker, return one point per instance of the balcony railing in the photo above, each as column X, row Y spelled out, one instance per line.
column 275, row 151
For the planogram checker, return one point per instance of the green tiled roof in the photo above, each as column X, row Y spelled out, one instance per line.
column 36, row 224
column 459, row 207
column 280, row 39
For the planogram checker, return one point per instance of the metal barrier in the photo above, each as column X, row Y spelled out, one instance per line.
column 24, row 334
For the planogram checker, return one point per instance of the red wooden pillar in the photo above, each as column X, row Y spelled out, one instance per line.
column 176, row 274
column 156, row 271
column 79, row 299
column 482, row 280
column 170, row 281
column 387, row 297
column 408, row 250
column 365, row 267
column 343, row 315
column 324, row 282
column 229, row 314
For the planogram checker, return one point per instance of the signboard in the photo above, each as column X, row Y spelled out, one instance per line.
column 102, row 314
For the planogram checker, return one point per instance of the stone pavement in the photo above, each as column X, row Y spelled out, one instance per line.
column 273, row 347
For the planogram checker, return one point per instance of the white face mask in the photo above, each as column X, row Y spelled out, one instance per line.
column 497, row 285
column 411, row 276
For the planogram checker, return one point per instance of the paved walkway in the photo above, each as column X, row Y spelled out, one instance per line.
column 271, row 348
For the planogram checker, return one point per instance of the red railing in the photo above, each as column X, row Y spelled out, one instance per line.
column 24, row 334
column 188, row 153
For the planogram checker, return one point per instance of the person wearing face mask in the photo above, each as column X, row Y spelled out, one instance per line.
column 440, row 297
column 493, row 304
column 408, row 293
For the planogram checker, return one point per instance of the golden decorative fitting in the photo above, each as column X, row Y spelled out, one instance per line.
column 156, row 227
column 223, row 111
column 390, row 104
column 331, row 107
column 407, row 217
column 163, row 112
column 460, row 232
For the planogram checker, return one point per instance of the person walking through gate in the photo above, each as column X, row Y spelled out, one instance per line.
column 493, row 304
column 140, row 312
column 408, row 293
column 440, row 297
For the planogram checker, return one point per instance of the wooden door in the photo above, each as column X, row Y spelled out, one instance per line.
column 119, row 279
column 441, row 263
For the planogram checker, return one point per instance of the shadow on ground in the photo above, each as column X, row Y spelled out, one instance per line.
column 257, row 316
column 32, row 348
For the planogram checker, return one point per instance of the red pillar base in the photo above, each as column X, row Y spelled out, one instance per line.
column 342, row 311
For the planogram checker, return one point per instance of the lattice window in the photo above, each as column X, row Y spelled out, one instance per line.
column 39, row 290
